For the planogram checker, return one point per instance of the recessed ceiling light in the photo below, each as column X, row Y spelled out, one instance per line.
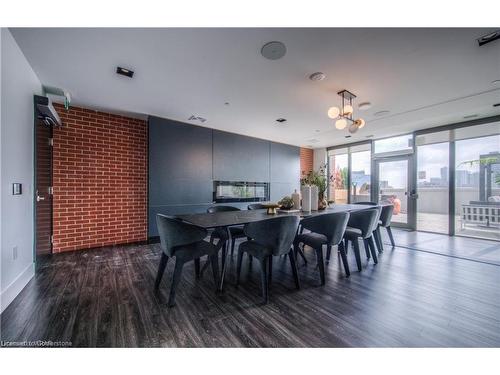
column 364, row 106
column 318, row 76
column 273, row 50
column 280, row 120
column 381, row 113
column 124, row 72
column 470, row 116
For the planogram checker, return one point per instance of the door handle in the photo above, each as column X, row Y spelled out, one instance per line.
column 39, row 198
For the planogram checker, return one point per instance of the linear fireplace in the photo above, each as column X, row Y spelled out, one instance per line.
column 240, row 191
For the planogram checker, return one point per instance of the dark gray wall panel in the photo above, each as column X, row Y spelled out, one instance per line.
column 240, row 158
column 180, row 167
column 185, row 159
column 178, row 150
column 285, row 170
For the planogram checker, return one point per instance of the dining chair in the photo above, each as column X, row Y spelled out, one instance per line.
column 385, row 222
column 376, row 233
column 269, row 238
column 326, row 229
column 234, row 232
column 256, row 206
column 184, row 242
column 361, row 224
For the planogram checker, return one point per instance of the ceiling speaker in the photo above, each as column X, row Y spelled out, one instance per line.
column 273, row 50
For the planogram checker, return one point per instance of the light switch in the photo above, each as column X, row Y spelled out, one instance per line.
column 17, row 188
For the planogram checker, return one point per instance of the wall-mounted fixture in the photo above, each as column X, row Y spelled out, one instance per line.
column 17, row 188
column 124, row 72
column 345, row 114
column 46, row 112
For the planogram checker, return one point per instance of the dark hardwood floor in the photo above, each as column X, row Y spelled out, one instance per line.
column 105, row 297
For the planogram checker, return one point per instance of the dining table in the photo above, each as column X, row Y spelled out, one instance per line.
column 226, row 219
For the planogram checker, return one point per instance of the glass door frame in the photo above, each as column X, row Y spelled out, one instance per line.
column 410, row 194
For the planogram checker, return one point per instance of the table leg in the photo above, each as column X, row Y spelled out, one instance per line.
column 224, row 259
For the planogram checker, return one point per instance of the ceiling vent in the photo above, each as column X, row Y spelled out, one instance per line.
column 197, row 118
column 488, row 38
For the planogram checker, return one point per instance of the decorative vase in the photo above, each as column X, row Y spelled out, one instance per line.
column 314, row 197
column 306, row 198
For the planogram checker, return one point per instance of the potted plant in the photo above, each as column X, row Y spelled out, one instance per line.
column 320, row 179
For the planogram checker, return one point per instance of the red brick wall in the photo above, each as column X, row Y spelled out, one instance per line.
column 306, row 160
column 100, row 180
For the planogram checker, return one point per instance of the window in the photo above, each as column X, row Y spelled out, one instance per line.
column 396, row 145
column 337, row 168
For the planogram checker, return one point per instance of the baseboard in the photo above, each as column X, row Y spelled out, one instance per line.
column 10, row 293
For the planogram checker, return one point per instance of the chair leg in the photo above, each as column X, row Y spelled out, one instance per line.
column 378, row 238
column 250, row 258
column 233, row 241
column 161, row 269
column 389, row 232
column 321, row 264
column 356, row 253
column 328, row 253
column 299, row 251
column 371, row 244
column 346, row 245
column 343, row 255
column 270, row 270
column 263, row 278
column 293, row 264
column 175, row 281
column 197, row 268
column 238, row 265
column 214, row 261
column 367, row 248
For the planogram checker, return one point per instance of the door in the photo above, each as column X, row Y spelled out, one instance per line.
column 393, row 184
column 43, row 190
column 433, row 172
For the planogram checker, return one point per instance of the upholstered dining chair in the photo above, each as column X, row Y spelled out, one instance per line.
column 361, row 224
column 385, row 222
column 376, row 233
column 325, row 229
column 269, row 238
column 184, row 242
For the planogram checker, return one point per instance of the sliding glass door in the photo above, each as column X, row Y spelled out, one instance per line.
column 433, row 187
column 394, row 185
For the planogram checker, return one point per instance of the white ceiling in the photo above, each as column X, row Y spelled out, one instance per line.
column 424, row 77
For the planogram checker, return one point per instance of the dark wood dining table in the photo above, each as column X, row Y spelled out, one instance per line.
column 226, row 219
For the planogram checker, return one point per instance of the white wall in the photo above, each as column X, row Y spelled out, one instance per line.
column 18, row 85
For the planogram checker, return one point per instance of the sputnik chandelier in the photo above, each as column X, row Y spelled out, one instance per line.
column 344, row 114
